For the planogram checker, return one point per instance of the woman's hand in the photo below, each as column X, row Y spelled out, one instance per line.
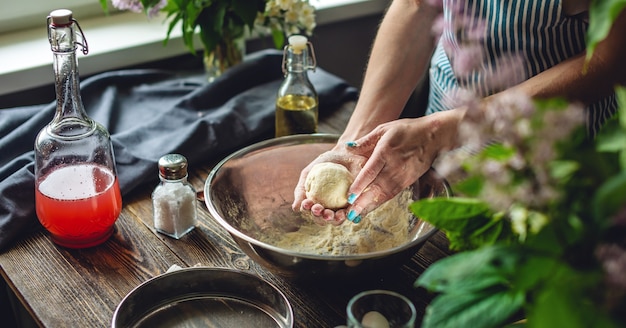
column 384, row 162
column 340, row 154
column 398, row 152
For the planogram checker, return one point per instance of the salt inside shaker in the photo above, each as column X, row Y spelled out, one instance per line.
column 174, row 199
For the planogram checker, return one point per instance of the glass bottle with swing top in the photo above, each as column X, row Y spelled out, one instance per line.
column 77, row 193
column 297, row 101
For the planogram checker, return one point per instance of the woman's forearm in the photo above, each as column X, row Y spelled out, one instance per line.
column 399, row 58
column 569, row 79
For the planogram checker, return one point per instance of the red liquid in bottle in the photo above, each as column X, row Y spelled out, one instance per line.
column 78, row 204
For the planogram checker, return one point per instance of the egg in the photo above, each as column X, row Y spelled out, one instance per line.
column 374, row 319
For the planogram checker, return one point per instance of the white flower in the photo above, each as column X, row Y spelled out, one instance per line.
column 272, row 9
column 518, row 216
column 307, row 17
column 537, row 221
column 284, row 4
column 288, row 16
column 523, row 128
column 292, row 16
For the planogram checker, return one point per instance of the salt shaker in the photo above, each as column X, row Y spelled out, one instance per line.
column 174, row 199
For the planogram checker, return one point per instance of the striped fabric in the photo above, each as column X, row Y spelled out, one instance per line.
column 517, row 39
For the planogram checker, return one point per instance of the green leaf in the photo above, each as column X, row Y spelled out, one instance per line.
column 563, row 170
column 602, row 14
column 470, row 186
column 214, row 17
column 211, row 21
column 475, row 288
column 105, row 6
column 566, row 298
column 484, row 309
column 534, row 270
column 610, row 197
column 278, row 37
column 246, row 12
column 554, row 239
column 612, row 141
column 546, row 104
column 498, row 152
column 437, row 209
column 478, row 231
column 488, row 233
column 471, row 270
column 467, row 222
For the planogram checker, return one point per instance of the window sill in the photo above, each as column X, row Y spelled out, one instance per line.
column 122, row 40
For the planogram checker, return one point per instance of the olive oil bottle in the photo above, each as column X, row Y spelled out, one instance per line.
column 297, row 101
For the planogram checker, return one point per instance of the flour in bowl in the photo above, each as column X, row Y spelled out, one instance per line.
column 386, row 227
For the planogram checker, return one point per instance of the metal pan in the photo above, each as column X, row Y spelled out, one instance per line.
column 204, row 297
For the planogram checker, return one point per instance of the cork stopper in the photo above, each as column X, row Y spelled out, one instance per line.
column 298, row 43
column 173, row 167
column 61, row 17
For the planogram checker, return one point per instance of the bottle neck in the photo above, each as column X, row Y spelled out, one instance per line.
column 298, row 61
column 66, row 78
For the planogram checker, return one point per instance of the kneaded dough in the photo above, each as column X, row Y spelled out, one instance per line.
column 327, row 184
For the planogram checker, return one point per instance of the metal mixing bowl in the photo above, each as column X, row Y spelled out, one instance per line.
column 251, row 190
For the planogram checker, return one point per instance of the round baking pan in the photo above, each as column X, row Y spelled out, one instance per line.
column 204, row 297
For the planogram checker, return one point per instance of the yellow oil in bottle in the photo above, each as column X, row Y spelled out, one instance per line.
column 296, row 114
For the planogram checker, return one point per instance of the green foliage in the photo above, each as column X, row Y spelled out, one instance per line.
column 551, row 275
column 602, row 14
column 105, row 5
column 219, row 22
column 467, row 222
column 475, row 289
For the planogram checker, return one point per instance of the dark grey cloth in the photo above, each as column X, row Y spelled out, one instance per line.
column 150, row 113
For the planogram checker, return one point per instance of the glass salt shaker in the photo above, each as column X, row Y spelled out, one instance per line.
column 174, row 199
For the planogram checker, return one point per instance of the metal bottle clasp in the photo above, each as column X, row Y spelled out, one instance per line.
column 312, row 60
column 81, row 40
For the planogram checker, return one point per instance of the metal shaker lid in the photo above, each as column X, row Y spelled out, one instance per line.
column 173, row 166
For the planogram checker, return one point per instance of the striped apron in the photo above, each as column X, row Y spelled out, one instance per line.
column 530, row 35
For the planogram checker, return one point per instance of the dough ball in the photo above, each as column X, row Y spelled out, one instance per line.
column 327, row 184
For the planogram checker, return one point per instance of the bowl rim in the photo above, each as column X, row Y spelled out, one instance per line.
column 235, row 232
column 289, row 318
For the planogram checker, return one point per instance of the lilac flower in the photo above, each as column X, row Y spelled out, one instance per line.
column 467, row 59
column 137, row 6
column 438, row 26
column 154, row 10
column 131, row 5
column 506, row 72
column 613, row 258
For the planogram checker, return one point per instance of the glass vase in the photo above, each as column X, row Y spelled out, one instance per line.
column 227, row 54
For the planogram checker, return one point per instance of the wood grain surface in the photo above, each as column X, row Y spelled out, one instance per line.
column 81, row 288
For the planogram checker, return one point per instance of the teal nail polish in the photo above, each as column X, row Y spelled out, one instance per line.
column 354, row 217
column 351, row 144
column 351, row 198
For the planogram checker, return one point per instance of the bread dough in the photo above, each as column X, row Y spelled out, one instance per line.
column 327, row 184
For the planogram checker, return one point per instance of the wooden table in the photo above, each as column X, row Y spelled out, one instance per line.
column 81, row 288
